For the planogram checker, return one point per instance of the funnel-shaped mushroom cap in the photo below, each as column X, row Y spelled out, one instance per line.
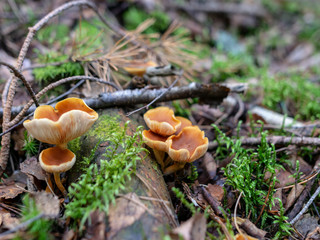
column 139, row 68
column 56, row 159
column 70, row 119
column 154, row 141
column 184, row 123
column 161, row 120
column 188, row 146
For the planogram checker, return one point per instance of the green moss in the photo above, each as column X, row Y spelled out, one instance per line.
column 74, row 145
column 105, row 126
column 101, row 181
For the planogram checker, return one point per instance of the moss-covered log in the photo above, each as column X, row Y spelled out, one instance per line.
column 143, row 210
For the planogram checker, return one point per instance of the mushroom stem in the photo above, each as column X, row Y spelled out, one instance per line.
column 159, row 155
column 62, row 145
column 173, row 168
column 58, row 183
column 49, row 187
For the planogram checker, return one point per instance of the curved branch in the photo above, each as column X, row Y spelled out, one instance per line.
column 25, row 82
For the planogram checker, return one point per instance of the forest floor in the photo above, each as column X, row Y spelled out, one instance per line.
column 245, row 72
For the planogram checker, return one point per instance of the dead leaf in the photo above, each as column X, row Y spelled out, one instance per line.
column 32, row 166
column 97, row 226
column 251, row 228
column 210, row 165
column 307, row 224
column 124, row 213
column 216, row 191
column 9, row 222
column 11, row 190
column 193, row 229
column 293, row 195
column 47, row 203
column 283, row 176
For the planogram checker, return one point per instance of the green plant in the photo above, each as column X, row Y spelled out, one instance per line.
column 292, row 91
column 180, row 195
column 38, row 229
column 284, row 228
column 133, row 17
column 194, row 173
column 30, row 145
column 247, row 173
column 297, row 173
column 50, row 73
column 99, row 184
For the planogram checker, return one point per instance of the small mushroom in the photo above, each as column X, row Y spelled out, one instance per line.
column 57, row 160
column 161, row 120
column 189, row 145
column 139, row 68
column 157, row 143
column 70, row 119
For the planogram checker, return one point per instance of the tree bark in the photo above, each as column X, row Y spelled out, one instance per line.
column 144, row 210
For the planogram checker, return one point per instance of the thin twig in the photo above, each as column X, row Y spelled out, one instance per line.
column 276, row 140
column 157, row 98
column 235, row 214
column 22, row 225
column 25, row 82
column 304, row 209
column 212, row 201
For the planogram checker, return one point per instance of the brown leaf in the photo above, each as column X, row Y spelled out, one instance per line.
column 293, row 195
column 251, row 228
column 97, row 226
column 193, row 229
column 216, row 191
column 47, row 203
column 11, row 190
column 210, row 165
column 283, row 176
column 32, row 166
column 9, row 222
column 124, row 213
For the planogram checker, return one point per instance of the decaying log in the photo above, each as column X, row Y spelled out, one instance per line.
column 144, row 210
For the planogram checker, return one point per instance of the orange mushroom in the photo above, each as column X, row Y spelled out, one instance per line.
column 189, row 145
column 184, row 123
column 157, row 143
column 70, row 119
column 56, row 160
column 139, row 68
column 161, row 120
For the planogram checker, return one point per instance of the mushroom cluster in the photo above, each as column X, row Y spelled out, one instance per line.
column 175, row 136
column 70, row 119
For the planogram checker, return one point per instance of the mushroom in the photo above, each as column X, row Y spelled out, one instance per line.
column 184, row 123
column 161, row 120
column 189, row 145
column 70, row 119
column 157, row 143
column 56, row 160
column 139, row 68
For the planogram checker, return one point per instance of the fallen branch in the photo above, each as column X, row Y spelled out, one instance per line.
column 214, row 92
column 276, row 140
